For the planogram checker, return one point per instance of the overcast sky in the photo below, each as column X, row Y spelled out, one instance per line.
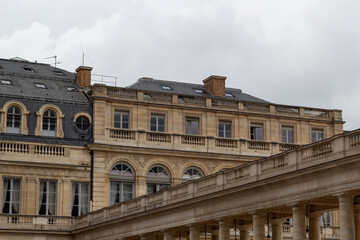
column 294, row 52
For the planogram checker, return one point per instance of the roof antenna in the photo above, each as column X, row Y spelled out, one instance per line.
column 83, row 59
column 55, row 58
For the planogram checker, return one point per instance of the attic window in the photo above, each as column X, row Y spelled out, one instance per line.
column 28, row 69
column 71, row 89
column 1, row 67
column 228, row 95
column 199, row 91
column 40, row 85
column 6, row 82
column 59, row 73
column 166, row 87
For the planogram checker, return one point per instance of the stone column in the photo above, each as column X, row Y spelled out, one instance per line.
column 245, row 232
column 224, row 230
column 258, row 226
column 299, row 231
column 357, row 222
column 346, row 218
column 314, row 226
column 276, row 228
column 168, row 235
column 194, row 233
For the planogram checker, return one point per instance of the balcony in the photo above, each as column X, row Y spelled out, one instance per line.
column 133, row 138
column 33, row 149
column 29, row 222
column 126, row 94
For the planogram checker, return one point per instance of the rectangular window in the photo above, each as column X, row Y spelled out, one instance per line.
column 225, row 129
column 157, row 123
column 121, row 191
column 317, row 135
column 257, row 131
column 121, row 119
column 287, row 134
column 192, row 126
column 80, row 199
column 11, row 194
column 47, row 199
column 5, row 82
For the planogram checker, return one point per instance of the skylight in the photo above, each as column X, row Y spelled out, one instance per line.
column 59, row 73
column 199, row 91
column 229, row 95
column 166, row 87
column 71, row 89
column 5, row 82
column 28, row 69
column 40, row 85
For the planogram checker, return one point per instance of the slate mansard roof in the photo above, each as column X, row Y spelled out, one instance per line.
column 24, row 75
column 150, row 84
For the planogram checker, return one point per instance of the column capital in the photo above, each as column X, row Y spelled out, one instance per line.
column 246, row 227
column 345, row 195
column 277, row 221
column 315, row 215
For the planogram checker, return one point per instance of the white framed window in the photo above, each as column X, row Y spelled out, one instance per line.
column 257, row 131
column 192, row 173
column 80, row 199
column 287, row 134
column 11, row 194
column 158, row 177
column 192, row 125
column 317, row 134
column 13, row 120
column 122, row 183
column 47, row 199
column 326, row 220
column 225, row 129
column 49, row 124
column 157, row 123
column 121, row 119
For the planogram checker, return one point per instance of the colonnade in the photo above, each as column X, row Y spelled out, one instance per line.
column 306, row 225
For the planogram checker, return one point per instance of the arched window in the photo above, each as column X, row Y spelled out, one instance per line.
column 122, row 183
column 13, row 120
column 192, row 173
column 49, row 124
column 157, row 178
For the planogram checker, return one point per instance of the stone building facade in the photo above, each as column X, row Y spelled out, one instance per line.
column 68, row 148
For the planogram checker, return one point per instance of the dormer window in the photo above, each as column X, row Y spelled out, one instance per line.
column 199, row 91
column 28, row 69
column 40, row 85
column 165, row 87
column 6, row 82
column 71, row 89
column 228, row 95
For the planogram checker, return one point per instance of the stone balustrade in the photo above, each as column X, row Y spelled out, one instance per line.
column 218, row 103
column 36, row 222
column 127, row 137
column 33, row 149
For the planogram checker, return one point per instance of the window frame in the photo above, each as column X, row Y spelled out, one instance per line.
column 287, row 128
column 47, row 121
column 47, row 204
column 255, row 125
column 59, row 120
column 3, row 200
column 317, row 130
column 121, row 113
column 24, row 112
column 15, row 120
column 121, row 179
column 223, row 124
column 157, row 117
column 190, row 119
column 200, row 171
column 73, row 194
column 159, row 183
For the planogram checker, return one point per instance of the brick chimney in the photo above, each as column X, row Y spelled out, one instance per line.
column 215, row 85
column 83, row 76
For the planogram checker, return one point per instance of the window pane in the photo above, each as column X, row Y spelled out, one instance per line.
column 153, row 121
